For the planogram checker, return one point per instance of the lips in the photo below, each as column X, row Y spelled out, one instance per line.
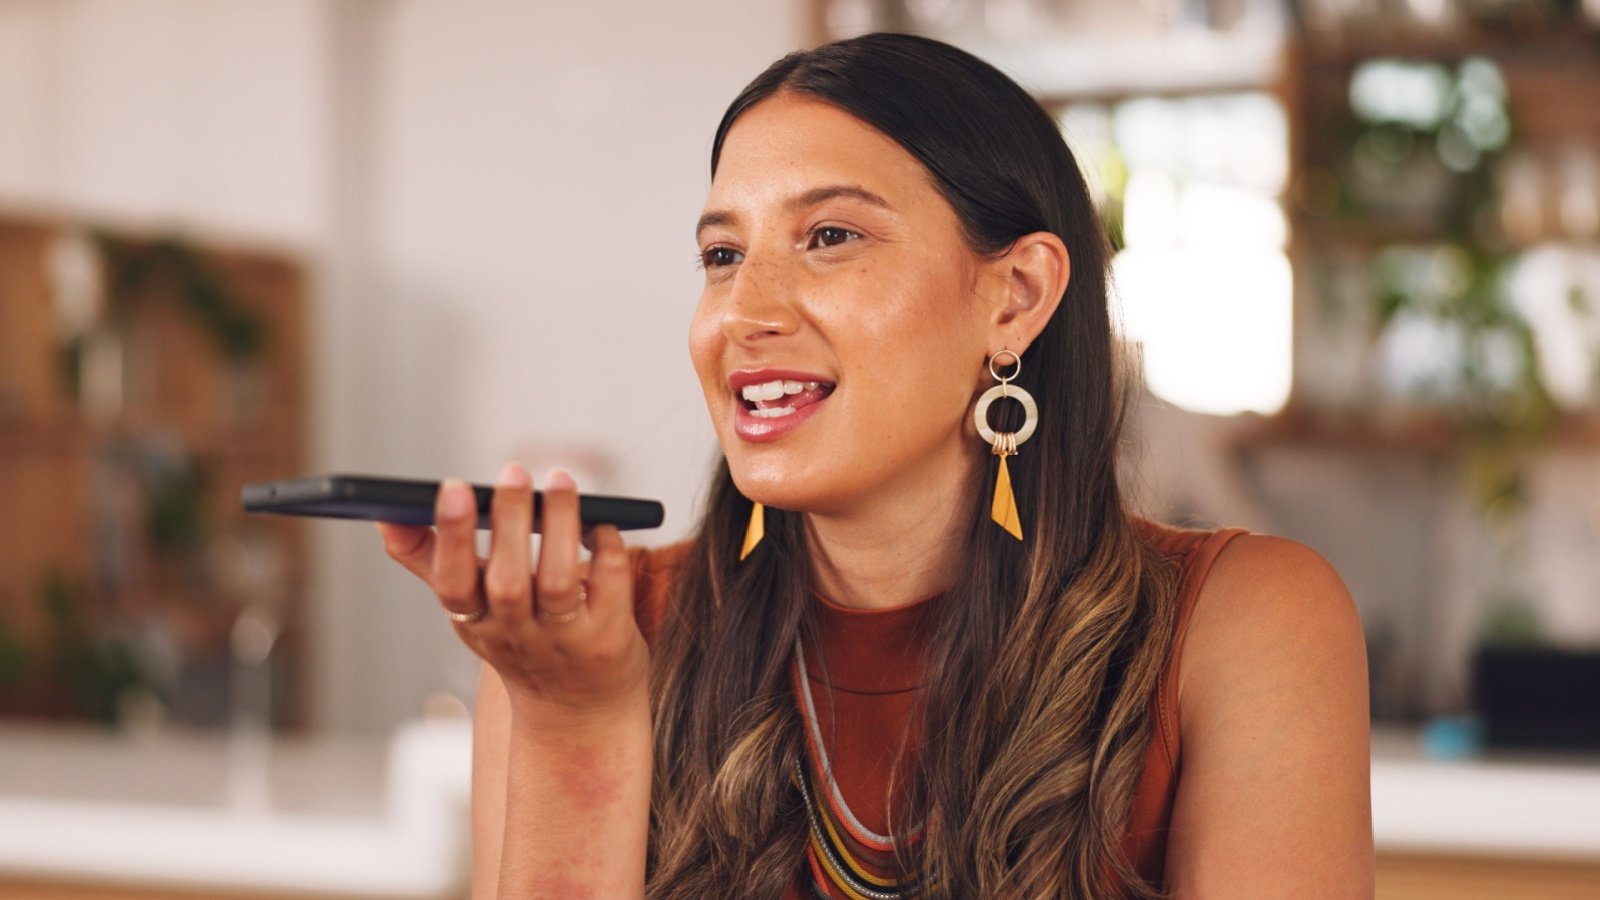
column 771, row 403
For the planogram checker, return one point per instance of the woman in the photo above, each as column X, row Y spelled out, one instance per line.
column 917, row 646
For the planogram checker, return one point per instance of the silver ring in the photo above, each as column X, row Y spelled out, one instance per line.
column 468, row 618
column 569, row 615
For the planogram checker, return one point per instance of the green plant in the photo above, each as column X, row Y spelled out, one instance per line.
column 135, row 268
column 95, row 670
column 175, row 510
column 1425, row 139
column 1425, row 143
column 15, row 658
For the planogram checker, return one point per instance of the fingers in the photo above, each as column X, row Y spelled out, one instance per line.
column 543, row 633
column 507, row 581
column 454, row 575
column 560, row 534
column 410, row 546
column 505, row 587
column 610, row 574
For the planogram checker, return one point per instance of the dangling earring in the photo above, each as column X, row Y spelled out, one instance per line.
column 756, row 530
column 1004, row 508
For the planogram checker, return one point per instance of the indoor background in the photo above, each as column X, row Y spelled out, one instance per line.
column 1358, row 251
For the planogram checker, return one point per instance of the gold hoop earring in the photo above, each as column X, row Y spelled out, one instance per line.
column 755, row 531
column 1004, row 508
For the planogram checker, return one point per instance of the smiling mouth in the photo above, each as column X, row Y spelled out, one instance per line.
column 782, row 397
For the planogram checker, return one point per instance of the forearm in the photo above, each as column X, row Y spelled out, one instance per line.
column 577, row 804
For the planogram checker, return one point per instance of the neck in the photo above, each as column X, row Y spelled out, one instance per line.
column 902, row 546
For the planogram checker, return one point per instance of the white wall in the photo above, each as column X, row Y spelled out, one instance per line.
column 181, row 113
column 525, row 275
column 498, row 198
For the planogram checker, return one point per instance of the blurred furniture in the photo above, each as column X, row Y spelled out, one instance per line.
column 1431, row 877
column 90, row 815
column 1445, row 343
column 1538, row 697
column 142, row 380
column 1451, row 494
column 1428, row 163
column 1503, row 826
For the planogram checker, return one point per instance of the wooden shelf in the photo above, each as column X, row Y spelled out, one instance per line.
column 1425, row 876
column 70, row 481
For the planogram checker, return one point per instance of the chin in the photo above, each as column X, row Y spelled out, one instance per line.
column 781, row 486
column 765, row 485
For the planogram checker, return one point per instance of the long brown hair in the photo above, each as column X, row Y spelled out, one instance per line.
column 1047, row 651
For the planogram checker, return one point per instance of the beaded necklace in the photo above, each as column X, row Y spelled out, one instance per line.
column 842, row 854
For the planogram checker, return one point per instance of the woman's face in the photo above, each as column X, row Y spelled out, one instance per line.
column 841, row 336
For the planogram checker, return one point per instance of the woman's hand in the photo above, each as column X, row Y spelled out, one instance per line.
column 561, row 728
column 563, row 640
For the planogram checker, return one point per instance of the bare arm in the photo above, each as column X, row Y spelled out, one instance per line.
column 568, row 817
column 561, row 734
column 1274, row 797
column 491, row 756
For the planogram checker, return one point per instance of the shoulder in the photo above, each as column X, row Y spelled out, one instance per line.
column 1273, row 717
column 1268, row 608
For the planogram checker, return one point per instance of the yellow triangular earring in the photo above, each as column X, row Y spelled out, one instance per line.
column 1004, row 509
column 756, row 531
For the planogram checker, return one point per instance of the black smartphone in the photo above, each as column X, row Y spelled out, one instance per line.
column 409, row 502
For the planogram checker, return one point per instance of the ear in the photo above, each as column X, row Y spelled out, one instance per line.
column 1025, row 287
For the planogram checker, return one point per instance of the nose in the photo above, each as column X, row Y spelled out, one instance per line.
column 759, row 302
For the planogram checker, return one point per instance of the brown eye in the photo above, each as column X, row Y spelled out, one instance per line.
column 717, row 257
column 832, row 236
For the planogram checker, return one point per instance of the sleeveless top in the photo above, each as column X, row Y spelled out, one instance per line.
column 862, row 685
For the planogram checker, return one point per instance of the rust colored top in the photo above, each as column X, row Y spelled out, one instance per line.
column 870, row 660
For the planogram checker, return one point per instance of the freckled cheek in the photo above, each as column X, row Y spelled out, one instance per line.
column 903, row 317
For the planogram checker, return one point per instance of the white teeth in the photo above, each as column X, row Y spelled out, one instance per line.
column 773, row 390
column 775, row 412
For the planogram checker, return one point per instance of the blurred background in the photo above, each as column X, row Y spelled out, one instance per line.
column 1358, row 249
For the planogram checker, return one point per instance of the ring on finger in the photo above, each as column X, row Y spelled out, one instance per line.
column 468, row 618
column 569, row 615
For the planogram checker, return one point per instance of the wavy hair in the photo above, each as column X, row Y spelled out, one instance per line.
column 1047, row 651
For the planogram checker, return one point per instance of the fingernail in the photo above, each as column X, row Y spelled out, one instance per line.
column 558, row 479
column 455, row 498
column 514, row 475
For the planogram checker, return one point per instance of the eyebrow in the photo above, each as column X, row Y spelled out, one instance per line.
column 803, row 201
